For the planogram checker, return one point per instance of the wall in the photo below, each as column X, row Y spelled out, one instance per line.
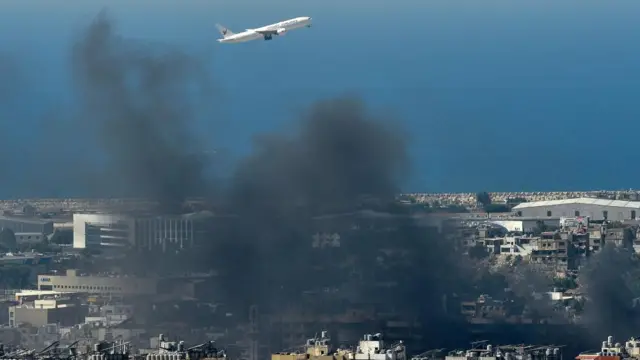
column 151, row 233
column 26, row 225
column 164, row 232
column 65, row 316
column 99, row 284
column 29, row 238
column 594, row 212
column 80, row 221
column 21, row 315
column 527, row 225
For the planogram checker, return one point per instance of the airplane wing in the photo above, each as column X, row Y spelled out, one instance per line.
column 265, row 32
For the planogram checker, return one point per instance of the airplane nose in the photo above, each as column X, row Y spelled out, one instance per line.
column 308, row 19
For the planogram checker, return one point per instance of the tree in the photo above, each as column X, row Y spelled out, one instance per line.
column 496, row 208
column 8, row 239
column 62, row 237
column 483, row 198
column 565, row 283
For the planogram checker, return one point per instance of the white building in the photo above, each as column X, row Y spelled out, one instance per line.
column 100, row 229
column 372, row 347
column 145, row 232
column 595, row 209
column 525, row 224
column 72, row 282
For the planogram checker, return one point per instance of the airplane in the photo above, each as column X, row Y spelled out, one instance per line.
column 266, row 32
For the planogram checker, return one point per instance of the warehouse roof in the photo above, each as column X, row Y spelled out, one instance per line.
column 581, row 201
column 25, row 220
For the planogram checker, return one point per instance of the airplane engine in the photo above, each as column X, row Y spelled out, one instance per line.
column 281, row 31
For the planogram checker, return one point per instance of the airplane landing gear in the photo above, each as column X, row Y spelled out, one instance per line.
column 268, row 37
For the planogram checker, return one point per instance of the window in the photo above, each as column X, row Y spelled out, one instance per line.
column 633, row 214
column 605, row 214
column 577, row 213
column 548, row 213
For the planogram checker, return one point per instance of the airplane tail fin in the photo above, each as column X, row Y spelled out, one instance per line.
column 224, row 31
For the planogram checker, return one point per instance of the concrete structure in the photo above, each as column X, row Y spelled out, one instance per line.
column 595, row 209
column 529, row 224
column 24, row 259
column 115, row 285
column 29, row 238
column 91, row 230
column 26, row 225
column 31, row 295
column 66, row 312
column 171, row 232
column 143, row 232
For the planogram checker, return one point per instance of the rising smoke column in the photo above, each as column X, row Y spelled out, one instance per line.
column 339, row 154
column 140, row 102
column 605, row 280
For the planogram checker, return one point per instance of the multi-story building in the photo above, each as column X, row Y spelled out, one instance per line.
column 19, row 224
column 63, row 311
column 595, row 209
column 73, row 282
column 551, row 249
column 142, row 232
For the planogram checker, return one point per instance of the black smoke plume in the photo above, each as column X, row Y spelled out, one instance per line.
column 140, row 100
column 337, row 173
column 606, row 281
column 341, row 159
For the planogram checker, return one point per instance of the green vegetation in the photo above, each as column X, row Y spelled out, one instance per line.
column 8, row 239
column 483, row 198
column 62, row 237
column 565, row 283
column 497, row 208
column 15, row 277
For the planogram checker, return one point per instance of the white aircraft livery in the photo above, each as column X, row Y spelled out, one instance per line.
column 265, row 32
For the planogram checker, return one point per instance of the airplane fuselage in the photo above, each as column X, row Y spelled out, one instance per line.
column 267, row 32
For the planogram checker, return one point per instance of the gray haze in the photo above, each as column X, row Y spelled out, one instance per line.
column 608, row 310
column 341, row 158
column 140, row 102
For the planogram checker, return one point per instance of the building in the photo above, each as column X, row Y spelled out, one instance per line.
column 72, row 282
column 526, row 224
column 552, row 250
column 91, row 230
column 63, row 311
column 142, row 232
column 31, row 259
column 595, row 209
column 171, row 232
column 29, row 238
column 26, row 225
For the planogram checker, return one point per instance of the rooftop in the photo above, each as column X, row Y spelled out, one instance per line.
column 582, row 201
column 26, row 220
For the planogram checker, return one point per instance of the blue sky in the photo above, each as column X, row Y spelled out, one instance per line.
column 497, row 94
